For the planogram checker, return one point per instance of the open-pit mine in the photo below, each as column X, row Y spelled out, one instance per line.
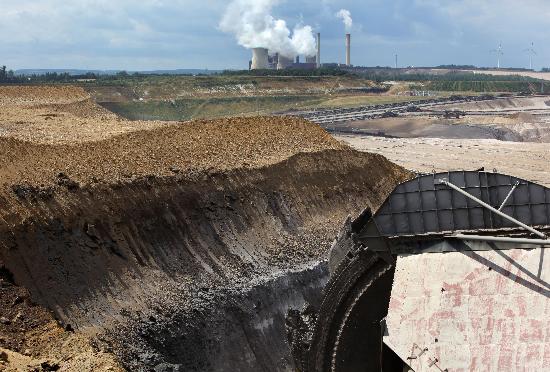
column 217, row 245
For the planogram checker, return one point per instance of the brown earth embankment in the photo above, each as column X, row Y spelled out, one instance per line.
column 183, row 246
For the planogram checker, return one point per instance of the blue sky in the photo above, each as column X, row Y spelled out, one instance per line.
column 162, row 34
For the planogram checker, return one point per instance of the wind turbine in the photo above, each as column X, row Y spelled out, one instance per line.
column 499, row 53
column 531, row 51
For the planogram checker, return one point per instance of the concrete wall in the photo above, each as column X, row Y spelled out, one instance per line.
column 473, row 311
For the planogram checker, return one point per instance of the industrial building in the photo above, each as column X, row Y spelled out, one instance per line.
column 262, row 60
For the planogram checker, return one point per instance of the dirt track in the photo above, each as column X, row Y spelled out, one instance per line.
column 179, row 244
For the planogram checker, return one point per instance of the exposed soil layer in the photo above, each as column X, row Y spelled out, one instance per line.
column 182, row 246
column 509, row 104
column 105, row 255
column 510, row 128
column 187, row 148
column 32, row 340
column 518, row 119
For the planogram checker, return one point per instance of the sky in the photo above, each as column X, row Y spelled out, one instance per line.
column 170, row 34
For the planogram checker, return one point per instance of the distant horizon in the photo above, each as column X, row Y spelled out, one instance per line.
column 182, row 34
column 114, row 70
column 80, row 71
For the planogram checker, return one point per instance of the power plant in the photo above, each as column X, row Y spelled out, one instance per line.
column 262, row 60
column 284, row 62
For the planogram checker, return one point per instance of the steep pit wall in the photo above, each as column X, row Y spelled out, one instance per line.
column 105, row 256
column 184, row 246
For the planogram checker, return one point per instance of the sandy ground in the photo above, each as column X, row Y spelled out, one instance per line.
column 52, row 130
column 530, row 161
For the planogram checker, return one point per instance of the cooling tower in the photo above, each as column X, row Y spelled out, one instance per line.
column 284, row 62
column 259, row 59
column 348, row 49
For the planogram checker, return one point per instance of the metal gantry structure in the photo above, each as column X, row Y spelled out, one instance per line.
column 470, row 212
column 460, row 206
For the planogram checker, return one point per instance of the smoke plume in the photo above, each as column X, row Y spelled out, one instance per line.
column 254, row 27
column 345, row 16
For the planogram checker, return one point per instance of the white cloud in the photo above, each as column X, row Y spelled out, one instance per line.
column 184, row 33
column 254, row 26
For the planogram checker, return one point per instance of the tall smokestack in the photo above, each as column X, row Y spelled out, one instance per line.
column 348, row 50
column 318, row 50
column 260, row 59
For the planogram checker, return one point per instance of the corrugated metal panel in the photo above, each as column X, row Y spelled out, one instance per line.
column 423, row 206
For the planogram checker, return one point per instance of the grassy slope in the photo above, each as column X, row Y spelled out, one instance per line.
column 174, row 87
column 200, row 108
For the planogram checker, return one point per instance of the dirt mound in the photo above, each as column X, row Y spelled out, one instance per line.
column 27, row 95
column 85, row 109
column 204, row 146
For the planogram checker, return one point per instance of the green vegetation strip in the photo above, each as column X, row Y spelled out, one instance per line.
column 187, row 109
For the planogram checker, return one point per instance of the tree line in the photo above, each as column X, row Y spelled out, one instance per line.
column 6, row 75
column 453, row 76
column 9, row 76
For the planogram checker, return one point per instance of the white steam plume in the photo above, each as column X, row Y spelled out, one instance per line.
column 345, row 16
column 254, row 27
